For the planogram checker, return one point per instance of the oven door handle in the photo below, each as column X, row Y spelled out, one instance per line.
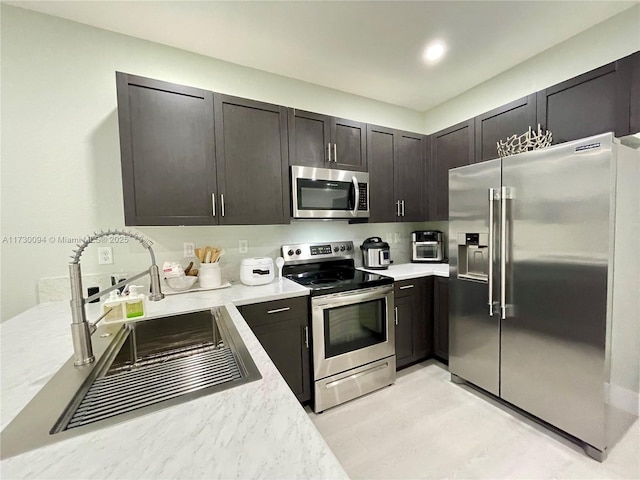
column 351, row 297
column 356, row 191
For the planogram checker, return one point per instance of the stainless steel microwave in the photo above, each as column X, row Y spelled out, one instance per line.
column 329, row 193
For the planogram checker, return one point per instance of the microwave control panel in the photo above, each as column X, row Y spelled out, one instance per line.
column 363, row 201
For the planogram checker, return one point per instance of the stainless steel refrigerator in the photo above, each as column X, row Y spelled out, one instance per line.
column 544, row 285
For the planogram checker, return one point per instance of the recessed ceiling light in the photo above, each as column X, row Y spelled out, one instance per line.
column 434, row 52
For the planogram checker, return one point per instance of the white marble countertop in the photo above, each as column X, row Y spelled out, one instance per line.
column 405, row 271
column 256, row 430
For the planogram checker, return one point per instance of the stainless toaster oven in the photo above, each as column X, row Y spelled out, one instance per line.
column 427, row 246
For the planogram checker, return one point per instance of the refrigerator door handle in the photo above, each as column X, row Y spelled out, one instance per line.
column 493, row 195
column 506, row 193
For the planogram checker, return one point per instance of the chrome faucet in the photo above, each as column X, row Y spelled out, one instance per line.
column 81, row 330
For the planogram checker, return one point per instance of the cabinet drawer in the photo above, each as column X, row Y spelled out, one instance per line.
column 405, row 288
column 277, row 310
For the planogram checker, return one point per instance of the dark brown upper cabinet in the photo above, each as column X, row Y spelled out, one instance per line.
column 589, row 104
column 397, row 175
column 514, row 118
column 381, row 149
column 167, row 152
column 252, row 162
column 411, row 176
column 182, row 167
column 317, row 140
column 450, row 148
column 631, row 67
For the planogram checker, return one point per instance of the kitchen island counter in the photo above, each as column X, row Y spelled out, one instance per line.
column 254, row 430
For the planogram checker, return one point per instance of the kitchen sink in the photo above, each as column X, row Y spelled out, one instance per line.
column 147, row 366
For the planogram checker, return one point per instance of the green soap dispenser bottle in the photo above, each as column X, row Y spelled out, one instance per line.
column 135, row 303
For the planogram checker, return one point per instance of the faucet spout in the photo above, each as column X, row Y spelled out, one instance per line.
column 81, row 329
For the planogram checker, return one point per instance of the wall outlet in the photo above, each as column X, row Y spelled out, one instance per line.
column 105, row 255
column 189, row 249
column 243, row 246
column 396, row 238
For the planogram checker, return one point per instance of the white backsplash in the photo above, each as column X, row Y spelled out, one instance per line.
column 262, row 241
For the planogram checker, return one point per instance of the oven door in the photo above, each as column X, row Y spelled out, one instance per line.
column 327, row 193
column 351, row 329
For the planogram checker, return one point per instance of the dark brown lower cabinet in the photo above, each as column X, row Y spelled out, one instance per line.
column 441, row 318
column 413, row 316
column 282, row 327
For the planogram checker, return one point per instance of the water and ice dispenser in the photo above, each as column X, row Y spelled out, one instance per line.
column 473, row 256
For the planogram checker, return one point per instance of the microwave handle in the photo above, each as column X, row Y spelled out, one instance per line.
column 356, row 187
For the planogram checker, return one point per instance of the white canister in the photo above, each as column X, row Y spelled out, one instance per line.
column 256, row 271
column 209, row 275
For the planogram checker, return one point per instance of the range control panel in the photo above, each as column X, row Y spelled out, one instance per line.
column 308, row 252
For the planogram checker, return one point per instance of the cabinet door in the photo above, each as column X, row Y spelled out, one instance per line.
column 284, row 342
column 252, row 162
column 441, row 319
column 423, row 329
column 412, row 322
column 592, row 103
column 309, row 138
column 167, row 152
column 404, row 312
column 410, row 174
column 450, row 148
column 381, row 151
column 514, row 118
column 282, row 327
column 349, row 144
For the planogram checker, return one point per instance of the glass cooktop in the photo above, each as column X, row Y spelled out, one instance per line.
column 333, row 279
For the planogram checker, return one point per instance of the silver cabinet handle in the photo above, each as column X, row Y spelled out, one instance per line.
column 397, row 208
column 329, row 151
column 213, row 204
column 222, row 204
column 354, row 212
column 306, row 336
column 491, row 242
column 404, row 287
column 395, row 314
column 335, row 153
column 278, row 310
column 402, row 208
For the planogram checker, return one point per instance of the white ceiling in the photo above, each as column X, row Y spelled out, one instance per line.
column 368, row 48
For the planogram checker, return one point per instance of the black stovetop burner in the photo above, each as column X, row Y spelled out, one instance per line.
column 333, row 277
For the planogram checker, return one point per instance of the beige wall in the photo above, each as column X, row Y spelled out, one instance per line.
column 615, row 38
column 60, row 153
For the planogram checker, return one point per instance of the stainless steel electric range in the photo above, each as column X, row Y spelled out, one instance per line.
column 352, row 316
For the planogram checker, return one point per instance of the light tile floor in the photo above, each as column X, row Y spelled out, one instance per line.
column 424, row 426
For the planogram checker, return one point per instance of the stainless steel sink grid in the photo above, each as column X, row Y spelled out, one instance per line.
column 149, row 365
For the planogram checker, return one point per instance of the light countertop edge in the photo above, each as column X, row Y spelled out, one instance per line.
column 406, row 271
